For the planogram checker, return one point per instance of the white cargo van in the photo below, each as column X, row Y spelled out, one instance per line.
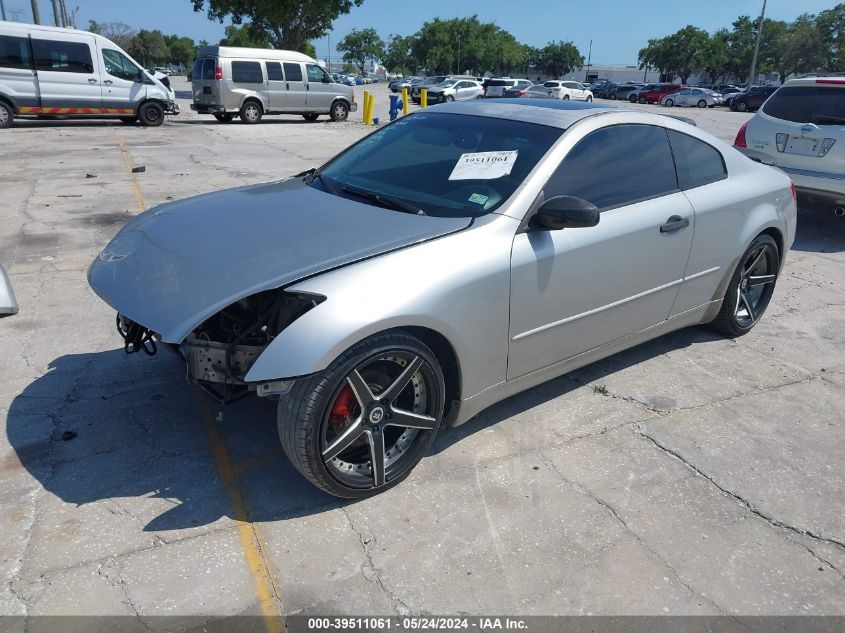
column 48, row 71
column 251, row 82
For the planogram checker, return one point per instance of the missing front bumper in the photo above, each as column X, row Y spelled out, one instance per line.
column 219, row 363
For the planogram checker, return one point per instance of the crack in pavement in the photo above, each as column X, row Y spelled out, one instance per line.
column 110, row 570
column 400, row 607
column 618, row 518
column 752, row 508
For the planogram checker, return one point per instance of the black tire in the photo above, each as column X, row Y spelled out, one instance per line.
column 340, row 111
column 129, row 120
column 310, row 117
column 702, row 103
column 318, row 416
column 566, row 97
column 741, row 107
column 251, row 112
column 6, row 115
column 224, row 118
column 151, row 114
column 449, row 98
column 642, row 100
column 750, row 288
column 612, row 96
column 589, row 99
column 669, row 103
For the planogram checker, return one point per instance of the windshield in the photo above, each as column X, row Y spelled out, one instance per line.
column 444, row 165
column 808, row 104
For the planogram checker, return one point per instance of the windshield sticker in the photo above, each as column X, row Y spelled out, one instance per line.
column 483, row 165
column 477, row 198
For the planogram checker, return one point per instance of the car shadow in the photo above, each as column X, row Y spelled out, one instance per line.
column 104, row 425
column 819, row 231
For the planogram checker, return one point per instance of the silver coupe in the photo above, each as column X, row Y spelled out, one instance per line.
column 446, row 261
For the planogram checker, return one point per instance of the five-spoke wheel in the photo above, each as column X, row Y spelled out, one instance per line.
column 750, row 288
column 365, row 422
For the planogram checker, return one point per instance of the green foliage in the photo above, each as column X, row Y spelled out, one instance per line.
column 149, row 48
column 560, row 58
column 288, row 24
column 182, row 50
column 359, row 46
column 397, row 56
column 245, row 36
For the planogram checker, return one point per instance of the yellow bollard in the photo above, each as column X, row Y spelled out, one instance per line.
column 371, row 102
column 404, row 101
column 366, row 105
column 424, row 98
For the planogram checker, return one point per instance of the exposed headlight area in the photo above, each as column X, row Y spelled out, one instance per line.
column 220, row 352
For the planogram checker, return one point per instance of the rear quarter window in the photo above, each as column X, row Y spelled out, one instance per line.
column 247, row 73
column 808, row 104
column 697, row 162
column 14, row 52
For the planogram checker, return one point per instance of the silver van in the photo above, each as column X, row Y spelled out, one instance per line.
column 251, row 82
column 48, row 71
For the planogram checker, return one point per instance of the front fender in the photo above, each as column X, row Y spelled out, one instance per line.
column 456, row 285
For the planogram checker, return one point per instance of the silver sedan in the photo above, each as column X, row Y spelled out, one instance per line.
column 693, row 98
column 449, row 260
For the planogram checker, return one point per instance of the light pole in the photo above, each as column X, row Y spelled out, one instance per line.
column 57, row 17
column 2, row 10
column 459, row 53
column 756, row 47
column 36, row 16
column 589, row 59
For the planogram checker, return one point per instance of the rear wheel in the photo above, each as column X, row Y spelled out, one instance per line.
column 613, row 96
column 750, row 288
column 310, row 117
column 742, row 106
column 151, row 114
column 589, row 98
column 566, row 97
column 224, row 118
column 340, row 111
column 643, row 100
column 360, row 426
column 669, row 103
column 251, row 112
column 6, row 115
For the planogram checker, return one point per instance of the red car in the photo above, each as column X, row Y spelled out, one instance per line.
column 656, row 94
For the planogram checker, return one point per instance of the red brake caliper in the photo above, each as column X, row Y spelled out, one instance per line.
column 342, row 407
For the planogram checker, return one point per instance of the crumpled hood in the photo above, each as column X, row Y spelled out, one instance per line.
column 179, row 263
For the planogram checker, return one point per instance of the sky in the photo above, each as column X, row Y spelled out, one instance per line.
column 618, row 28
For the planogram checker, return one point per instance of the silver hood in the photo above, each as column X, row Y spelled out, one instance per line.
column 177, row 264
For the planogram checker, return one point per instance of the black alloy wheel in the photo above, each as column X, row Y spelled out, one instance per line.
column 750, row 288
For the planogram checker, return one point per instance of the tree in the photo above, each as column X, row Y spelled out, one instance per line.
column 358, row 47
column 804, row 51
column 560, row 58
column 715, row 56
column 397, row 56
column 657, row 54
column 118, row 32
column 149, row 47
column 245, row 35
column 288, row 24
column 831, row 27
column 182, row 49
column 94, row 27
column 686, row 50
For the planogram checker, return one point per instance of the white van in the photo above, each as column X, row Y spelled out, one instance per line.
column 48, row 71
column 251, row 82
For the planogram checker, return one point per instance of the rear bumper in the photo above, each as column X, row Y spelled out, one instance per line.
column 813, row 187
column 204, row 108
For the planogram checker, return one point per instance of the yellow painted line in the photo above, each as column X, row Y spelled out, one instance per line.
column 267, row 457
column 130, row 165
column 252, row 542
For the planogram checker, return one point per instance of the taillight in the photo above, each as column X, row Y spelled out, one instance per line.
column 794, row 193
column 740, row 136
column 218, row 74
column 521, row 93
column 830, row 81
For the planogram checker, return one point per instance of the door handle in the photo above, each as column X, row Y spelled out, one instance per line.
column 91, row 80
column 108, row 82
column 674, row 223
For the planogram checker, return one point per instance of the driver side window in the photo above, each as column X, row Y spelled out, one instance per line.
column 118, row 65
column 315, row 73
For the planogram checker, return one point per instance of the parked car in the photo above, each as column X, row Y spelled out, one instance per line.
column 537, row 91
column 455, row 90
column 723, row 89
column 279, row 297
column 654, row 93
column 496, row 86
column 605, row 90
column 751, row 100
column 426, row 82
column 692, row 98
column 566, row 90
column 518, row 89
column 801, row 130
column 48, row 71
column 252, row 82
column 8, row 302
column 624, row 91
column 402, row 82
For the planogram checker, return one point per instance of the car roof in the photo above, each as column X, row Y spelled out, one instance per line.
column 831, row 81
column 256, row 53
column 552, row 112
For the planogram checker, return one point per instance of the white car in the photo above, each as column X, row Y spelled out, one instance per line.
column 801, row 130
column 455, row 90
column 568, row 90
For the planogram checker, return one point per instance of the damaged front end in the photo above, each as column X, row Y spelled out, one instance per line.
column 220, row 351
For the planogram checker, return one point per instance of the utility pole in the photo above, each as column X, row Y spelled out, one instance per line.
column 459, row 53
column 57, row 17
column 65, row 17
column 2, row 10
column 36, row 17
column 751, row 73
column 329, row 51
column 589, row 59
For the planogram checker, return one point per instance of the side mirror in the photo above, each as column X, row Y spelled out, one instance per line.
column 327, row 79
column 567, row 212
